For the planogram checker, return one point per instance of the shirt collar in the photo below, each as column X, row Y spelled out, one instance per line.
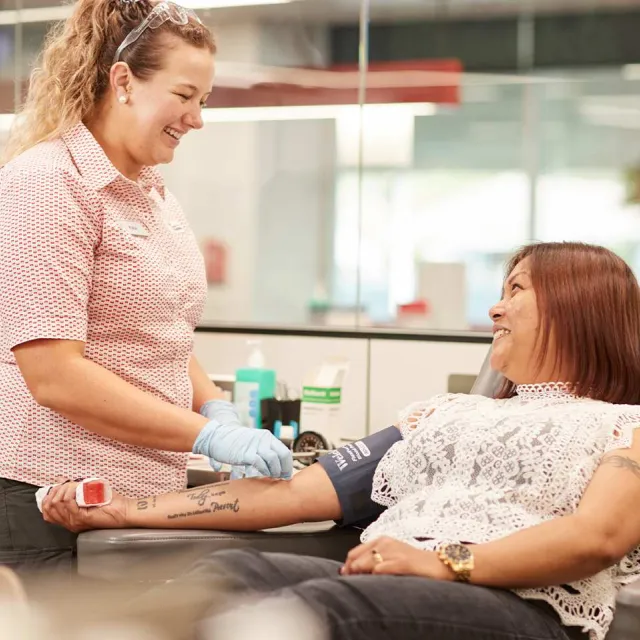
column 545, row 390
column 150, row 178
column 94, row 165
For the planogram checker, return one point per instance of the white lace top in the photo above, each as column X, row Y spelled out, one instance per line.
column 474, row 469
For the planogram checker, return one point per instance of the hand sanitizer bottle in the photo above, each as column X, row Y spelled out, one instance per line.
column 253, row 383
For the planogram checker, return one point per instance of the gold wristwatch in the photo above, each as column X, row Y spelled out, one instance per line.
column 458, row 558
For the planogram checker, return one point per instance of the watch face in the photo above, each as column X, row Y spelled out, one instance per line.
column 458, row 553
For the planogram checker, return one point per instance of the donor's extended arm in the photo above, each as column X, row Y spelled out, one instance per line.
column 338, row 486
column 241, row 505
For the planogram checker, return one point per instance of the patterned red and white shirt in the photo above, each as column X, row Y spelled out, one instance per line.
column 87, row 254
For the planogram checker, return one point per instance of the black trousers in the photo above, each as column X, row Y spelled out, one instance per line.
column 385, row 607
column 27, row 542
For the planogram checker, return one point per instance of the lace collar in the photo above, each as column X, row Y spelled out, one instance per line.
column 545, row 390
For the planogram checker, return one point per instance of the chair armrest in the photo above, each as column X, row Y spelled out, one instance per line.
column 152, row 555
column 626, row 622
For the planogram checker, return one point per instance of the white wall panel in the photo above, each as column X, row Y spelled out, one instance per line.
column 407, row 371
column 292, row 357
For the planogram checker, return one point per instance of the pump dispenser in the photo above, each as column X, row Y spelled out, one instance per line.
column 253, row 383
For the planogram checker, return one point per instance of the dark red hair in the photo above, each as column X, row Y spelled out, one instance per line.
column 589, row 299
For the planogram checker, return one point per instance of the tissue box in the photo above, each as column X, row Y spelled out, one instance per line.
column 320, row 410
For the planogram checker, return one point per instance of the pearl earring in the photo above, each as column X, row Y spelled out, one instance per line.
column 123, row 99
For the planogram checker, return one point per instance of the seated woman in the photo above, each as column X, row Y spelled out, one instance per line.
column 514, row 517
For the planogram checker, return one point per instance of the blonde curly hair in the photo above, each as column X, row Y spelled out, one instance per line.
column 72, row 75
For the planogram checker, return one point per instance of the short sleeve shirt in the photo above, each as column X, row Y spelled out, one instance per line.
column 87, row 254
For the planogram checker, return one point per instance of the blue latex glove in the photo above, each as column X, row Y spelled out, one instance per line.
column 237, row 471
column 227, row 415
column 247, row 471
column 224, row 439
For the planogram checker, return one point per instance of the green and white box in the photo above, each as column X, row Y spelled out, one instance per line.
column 320, row 410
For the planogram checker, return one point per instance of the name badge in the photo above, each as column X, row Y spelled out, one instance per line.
column 136, row 228
column 175, row 225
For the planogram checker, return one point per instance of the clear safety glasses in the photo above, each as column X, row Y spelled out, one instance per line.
column 160, row 14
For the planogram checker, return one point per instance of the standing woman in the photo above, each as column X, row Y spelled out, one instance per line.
column 101, row 278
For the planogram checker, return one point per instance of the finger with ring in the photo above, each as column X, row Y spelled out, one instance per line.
column 377, row 558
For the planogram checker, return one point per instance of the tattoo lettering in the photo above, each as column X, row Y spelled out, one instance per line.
column 215, row 507
column 215, row 485
column 199, row 496
column 192, row 489
column 227, row 506
column 173, row 516
column 143, row 505
column 621, row 462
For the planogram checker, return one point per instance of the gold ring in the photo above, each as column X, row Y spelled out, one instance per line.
column 377, row 558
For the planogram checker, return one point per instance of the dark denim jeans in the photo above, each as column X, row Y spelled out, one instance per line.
column 27, row 542
column 386, row 607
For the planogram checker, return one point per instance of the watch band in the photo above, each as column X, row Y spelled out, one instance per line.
column 458, row 558
column 463, row 575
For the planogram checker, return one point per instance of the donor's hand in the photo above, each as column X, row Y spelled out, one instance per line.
column 60, row 507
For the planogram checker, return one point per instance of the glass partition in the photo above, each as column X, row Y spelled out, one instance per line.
column 343, row 182
column 587, row 186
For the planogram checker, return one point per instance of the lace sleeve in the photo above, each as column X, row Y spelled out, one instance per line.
column 387, row 488
column 621, row 437
column 621, row 434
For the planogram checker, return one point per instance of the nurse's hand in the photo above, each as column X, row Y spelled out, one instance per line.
column 209, row 410
column 226, row 414
column 224, row 439
column 60, row 507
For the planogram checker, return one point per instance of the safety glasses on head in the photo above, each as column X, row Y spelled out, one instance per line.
column 160, row 14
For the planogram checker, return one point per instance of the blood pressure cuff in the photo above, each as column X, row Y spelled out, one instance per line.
column 351, row 468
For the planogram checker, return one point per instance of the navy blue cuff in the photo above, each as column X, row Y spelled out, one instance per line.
column 351, row 469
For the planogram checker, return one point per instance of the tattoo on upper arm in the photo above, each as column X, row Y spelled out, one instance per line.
column 622, row 462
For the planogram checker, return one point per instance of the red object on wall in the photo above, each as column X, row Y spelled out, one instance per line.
column 435, row 81
column 215, row 261
column 416, row 307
